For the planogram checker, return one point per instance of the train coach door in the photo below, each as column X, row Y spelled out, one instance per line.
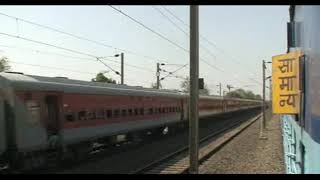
column 53, row 123
column 182, row 110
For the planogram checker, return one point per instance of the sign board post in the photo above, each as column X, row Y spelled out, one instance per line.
column 263, row 119
column 286, row 88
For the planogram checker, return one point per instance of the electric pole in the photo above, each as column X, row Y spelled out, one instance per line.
column 122, row 68
column 263, row 119
column 220, row 92
column 194, row 90
column 158, row 75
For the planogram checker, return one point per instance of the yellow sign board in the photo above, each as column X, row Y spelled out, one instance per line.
column 285, row 83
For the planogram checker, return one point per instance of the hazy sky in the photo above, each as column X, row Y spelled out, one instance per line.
column 242, row 35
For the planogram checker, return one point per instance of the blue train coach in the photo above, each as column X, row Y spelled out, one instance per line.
column 301, row 133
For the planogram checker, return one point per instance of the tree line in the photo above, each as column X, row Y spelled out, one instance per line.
column 241, row 93
column 4, row 64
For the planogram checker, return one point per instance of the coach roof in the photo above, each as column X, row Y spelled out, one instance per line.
column 19, row 81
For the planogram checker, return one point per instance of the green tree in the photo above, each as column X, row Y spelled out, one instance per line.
column 4, row 64
column 102, row 78
column 185, row 86
column 257, row 96
column 240, row 93
column 154, row 85
column 204, row 91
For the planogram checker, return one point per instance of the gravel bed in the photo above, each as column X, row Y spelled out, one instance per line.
column 246, row 154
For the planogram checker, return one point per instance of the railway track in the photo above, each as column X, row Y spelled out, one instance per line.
column 178, row 161
column 126, row 159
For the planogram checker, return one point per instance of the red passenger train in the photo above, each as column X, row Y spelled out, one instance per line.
column 38, row 114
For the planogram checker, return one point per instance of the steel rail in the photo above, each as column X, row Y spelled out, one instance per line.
column 202, row 141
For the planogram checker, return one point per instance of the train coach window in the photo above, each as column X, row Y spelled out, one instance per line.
column 150, row 111
column 130, row 112
column 141, row 111
column 124, row 113
column 108, row 113
column 159, row 110
column 34, row 111
column 136, row 112
column 116, row 113
column 82, row 115
column 91, row 115
column 69, row 117
column 163, row 110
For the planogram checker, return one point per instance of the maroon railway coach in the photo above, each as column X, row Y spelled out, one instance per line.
column 41, row 113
